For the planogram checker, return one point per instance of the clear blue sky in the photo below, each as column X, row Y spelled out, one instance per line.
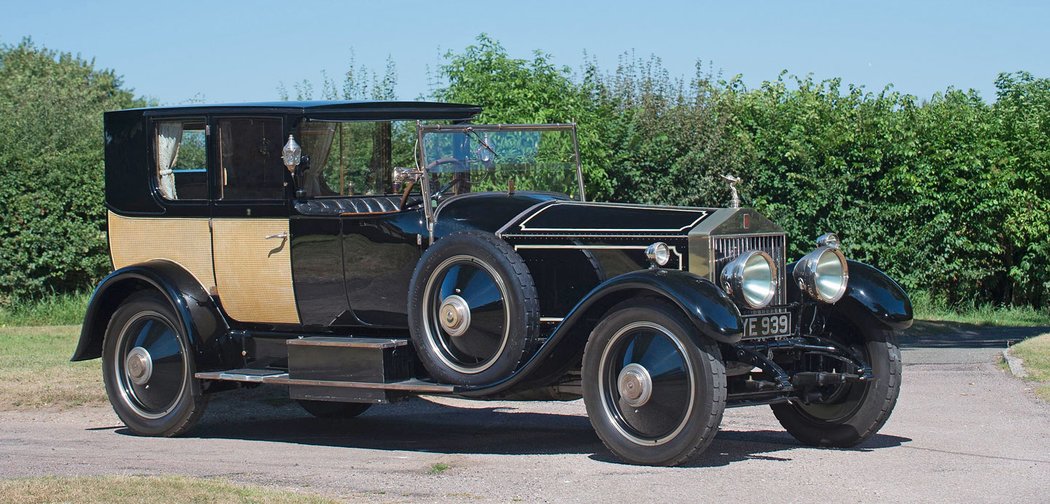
column 225, row 51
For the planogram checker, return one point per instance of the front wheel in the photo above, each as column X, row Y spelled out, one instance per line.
column 850, row 413
column 148, row 368
column 654, row 389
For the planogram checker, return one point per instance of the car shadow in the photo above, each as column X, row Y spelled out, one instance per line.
column 933, row 334
column 422, row 425
column 415, row 424
column 738, row 446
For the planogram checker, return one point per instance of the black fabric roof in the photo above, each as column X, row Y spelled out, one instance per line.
column 329, row 109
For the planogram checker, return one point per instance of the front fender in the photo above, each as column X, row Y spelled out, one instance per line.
column 707, row 307
column 870, row 294
column 201, row 320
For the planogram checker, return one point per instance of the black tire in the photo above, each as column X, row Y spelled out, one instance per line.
column 330, row 409
column 148, row 367
column 498, row 316
column 687, row 395
column 857, row 410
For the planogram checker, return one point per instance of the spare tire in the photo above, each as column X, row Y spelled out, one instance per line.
column 472, row 309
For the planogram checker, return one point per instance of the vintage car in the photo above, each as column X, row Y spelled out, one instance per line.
column 364, row 252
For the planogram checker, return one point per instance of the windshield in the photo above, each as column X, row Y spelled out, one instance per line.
column 486, row 158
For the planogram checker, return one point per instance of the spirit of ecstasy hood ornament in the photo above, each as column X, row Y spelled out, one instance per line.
column 734, row 200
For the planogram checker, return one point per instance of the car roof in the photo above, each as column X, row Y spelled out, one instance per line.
column 330, row 109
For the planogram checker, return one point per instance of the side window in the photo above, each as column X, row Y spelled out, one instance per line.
column 355, row 158
column 181, row 156
column 250, row 159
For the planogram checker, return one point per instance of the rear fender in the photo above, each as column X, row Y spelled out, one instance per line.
column 203, row 323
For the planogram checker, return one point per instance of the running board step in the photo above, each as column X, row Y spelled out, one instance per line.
column 276, row 377
column 243, row 375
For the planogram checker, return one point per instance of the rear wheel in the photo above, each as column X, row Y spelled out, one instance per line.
column 329, row 409
column 148, row 368
column 850, row 413
column 655, row 390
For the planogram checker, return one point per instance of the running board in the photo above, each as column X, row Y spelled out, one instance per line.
column 243, row 375
column 276, row 377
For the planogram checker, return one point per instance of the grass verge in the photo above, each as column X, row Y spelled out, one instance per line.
column 68, row 309
column 36, row 373
column 135, row 489
column 1035, row 354
column 59, row 309
column 1017, row 316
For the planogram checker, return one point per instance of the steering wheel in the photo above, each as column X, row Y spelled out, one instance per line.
column 457, row 178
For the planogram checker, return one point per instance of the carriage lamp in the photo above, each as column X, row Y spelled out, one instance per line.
column 659, row 254
column 751, row 279
column 292, row 154
column 828, row 240
column 823, row 274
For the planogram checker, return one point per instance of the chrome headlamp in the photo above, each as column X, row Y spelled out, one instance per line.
column 823, row 274
column 751, row 279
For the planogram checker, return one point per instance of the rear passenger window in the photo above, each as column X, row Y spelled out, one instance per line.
column 181, row 158
column 250, row 159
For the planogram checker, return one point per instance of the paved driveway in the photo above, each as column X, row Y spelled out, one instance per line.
column 962, row 431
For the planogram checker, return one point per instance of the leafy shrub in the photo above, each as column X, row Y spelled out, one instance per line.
column 52, row 218
column 949, row 195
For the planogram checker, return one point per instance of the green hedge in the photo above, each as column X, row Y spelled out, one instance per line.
column 52, row 218
column 950, row 195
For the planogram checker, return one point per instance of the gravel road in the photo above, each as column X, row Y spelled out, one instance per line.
column 963, row 431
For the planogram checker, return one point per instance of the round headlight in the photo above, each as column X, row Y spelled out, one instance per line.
column 658, row 253
column 751, row 279
column 823, row 274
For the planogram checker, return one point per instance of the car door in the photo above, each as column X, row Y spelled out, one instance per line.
column 252, row 254
column 380, row 254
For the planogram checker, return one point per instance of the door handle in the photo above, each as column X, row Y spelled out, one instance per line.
column 278, row 235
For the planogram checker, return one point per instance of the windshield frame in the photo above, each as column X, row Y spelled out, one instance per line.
column 467, row 129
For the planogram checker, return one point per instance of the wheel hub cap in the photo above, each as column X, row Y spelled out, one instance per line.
column 635, row 385
column 139, row 365
column 454, row 315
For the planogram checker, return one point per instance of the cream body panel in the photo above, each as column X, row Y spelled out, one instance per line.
column 253, row 273
column 184, row 241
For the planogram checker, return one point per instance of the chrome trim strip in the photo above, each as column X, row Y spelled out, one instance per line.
column 347, row 342
column 412, row 385
column 569, row 234
column 703, row 215
column 407, row 385
column 681, row 263
column 499, row 232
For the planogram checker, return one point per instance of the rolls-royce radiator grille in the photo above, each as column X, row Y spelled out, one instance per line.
column 727, row 248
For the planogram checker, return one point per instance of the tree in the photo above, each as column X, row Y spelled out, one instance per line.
column 515, row 90
column 52, row 217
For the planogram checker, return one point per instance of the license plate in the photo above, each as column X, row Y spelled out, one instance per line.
column 768, row 325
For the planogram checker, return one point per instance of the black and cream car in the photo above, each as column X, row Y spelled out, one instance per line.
column 359, row 253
